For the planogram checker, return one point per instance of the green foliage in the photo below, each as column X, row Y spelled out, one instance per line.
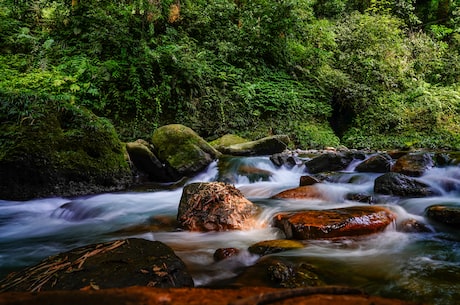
column 251, row 68
column 427, row 116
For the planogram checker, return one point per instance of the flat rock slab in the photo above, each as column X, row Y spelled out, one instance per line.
column 301, row 192
column 184, row 296
column 344, row 222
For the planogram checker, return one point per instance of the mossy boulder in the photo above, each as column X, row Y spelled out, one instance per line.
column 146, row 163
column 265, row 146
column 183, row 149
column 227, row 140
column 58, row 150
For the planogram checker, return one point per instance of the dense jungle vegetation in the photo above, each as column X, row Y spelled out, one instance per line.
column 361, row 73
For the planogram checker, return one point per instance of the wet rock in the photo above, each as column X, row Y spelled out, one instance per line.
column 253, row 173
column 277, row 271
column 289, row 275
column 301, row 192
column 274, row 246
column 153, row 224
column 351, row 221
column 330, row 161
column 401, row 185
column 308, row 180
column 215, row 206
column 224, row 253
column 121, row 263
column 449, row 215
column 413, row 226
column 413, row 164
column 191, row 296
column 287, row 159
column 363, row 198
column 380, row 163
column 265, row 146
column 182, row 149
column 147, row 164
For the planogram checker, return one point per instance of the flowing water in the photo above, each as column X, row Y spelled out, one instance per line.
column 422, row 267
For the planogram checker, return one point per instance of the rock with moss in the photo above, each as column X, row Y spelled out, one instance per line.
column 274, row 246
column 227, row 140
column 114, row 264
column 59, row 150
column 280, row 272
column 147, row 165
column 183, row 149
column 265, row 146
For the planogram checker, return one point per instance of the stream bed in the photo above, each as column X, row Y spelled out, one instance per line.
column 421, row 267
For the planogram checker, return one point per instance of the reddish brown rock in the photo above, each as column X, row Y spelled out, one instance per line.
column 351, row 221
column 215, row 206
column 185, row 296
column 301, row 192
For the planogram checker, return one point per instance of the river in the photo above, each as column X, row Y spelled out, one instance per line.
column 423, row 267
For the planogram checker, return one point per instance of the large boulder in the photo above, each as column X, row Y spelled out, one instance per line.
column 413, row 164
column 146, row 163
column 446, row 214
column 215, row 206
column 183, row 149
column 380, row 163
column 120, row 263
column 344, row 222
column 59, row 150
column 265, row 146
column 402, row 185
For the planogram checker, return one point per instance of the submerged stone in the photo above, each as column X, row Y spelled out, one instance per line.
column 120, row 263
column 274, row 246
column 224, row 253
column 215, row 206
column 344, row 222
column 301, row 192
